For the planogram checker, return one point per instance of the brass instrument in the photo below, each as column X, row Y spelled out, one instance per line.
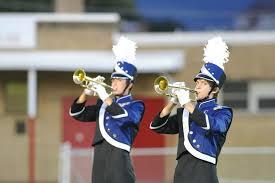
column 80, row 77
column 162, row 86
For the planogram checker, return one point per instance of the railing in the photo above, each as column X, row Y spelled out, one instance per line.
column 156, row 165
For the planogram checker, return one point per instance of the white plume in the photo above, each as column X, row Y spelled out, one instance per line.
column 125, row 50
column 216, row 52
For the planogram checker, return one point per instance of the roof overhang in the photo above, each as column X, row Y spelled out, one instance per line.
column 96, row 61
column 179, row 39
column 65, row 17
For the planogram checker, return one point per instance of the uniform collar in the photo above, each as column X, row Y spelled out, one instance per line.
column 123, row 99
column 207, row 103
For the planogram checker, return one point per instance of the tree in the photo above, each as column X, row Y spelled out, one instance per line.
column 125, row 8
column 26, row 5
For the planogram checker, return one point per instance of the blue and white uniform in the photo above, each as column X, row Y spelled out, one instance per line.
column 201, row 135
column 117, row 124
column 116, row 128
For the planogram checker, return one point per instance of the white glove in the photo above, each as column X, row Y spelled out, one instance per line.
column 101, row 91
column 89, row 92
column 174, row 100
column 99, row 78
column 178, row 84
column 183, row 96
column 173, row 90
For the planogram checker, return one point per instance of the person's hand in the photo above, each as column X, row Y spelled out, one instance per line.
column 99, row 78
column 90, row 87
column 174, row 98
column 89, row 92
column 183, row 96
column 101, row 91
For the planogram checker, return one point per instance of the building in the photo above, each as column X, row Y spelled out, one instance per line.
column 40, row 62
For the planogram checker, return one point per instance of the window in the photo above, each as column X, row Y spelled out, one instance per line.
column 267, row 103
column 16, row 97
column 235, row 94
column 262, row 96
column 249, row 96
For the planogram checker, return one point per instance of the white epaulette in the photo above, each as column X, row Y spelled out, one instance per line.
column 123, row 104
column 217, row 107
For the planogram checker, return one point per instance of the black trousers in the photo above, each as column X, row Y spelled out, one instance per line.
column 111, row 165
column 192, row 170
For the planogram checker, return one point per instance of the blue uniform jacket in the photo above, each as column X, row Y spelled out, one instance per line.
column 117, row 124
column 201, row 133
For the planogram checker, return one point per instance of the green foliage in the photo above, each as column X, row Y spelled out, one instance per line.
column 125, row 8
column 26, row 5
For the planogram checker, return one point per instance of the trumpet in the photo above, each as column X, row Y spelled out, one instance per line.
column 162, row 86
column 80, row 77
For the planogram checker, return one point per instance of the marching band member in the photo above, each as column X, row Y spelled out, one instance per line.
column 202, row 128
column 117, row 119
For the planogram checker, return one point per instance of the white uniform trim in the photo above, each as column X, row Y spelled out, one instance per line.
column 189, row 147
column 206, row 102
column 121, row 115
column 207, row 122
column 76, row 113
column 106, row 135
column 156, row 127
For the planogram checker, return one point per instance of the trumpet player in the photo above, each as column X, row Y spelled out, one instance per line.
column 117, row 118
column 201, row 127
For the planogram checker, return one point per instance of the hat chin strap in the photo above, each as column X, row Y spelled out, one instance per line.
column 203, row 100
column 207, row 97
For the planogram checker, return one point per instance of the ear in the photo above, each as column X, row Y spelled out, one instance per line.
column 215, row 90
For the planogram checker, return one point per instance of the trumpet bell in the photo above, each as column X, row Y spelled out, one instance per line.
column 163, row 87
column 161, row 84
column 79, row 76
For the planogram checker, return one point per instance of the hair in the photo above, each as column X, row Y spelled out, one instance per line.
column 128, row 82
column 213, row 86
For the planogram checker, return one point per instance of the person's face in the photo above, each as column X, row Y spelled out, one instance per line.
column 202, row 88
column 118, row 85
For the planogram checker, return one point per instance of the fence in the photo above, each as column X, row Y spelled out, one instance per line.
column 156, row 165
